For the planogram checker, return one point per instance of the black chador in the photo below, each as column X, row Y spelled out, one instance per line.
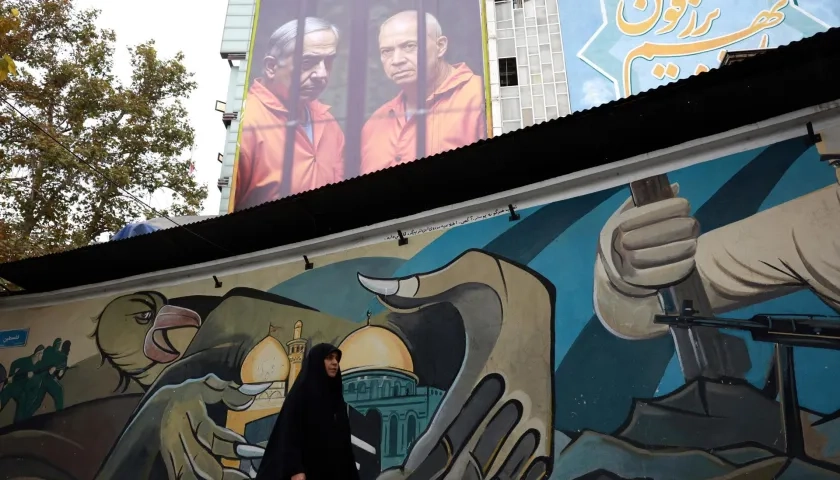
column 312, row 433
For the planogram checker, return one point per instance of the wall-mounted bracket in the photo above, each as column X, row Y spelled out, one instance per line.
column 513, row 215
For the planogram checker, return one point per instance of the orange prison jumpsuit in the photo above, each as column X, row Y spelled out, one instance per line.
column 456, row 117
column 259, row 171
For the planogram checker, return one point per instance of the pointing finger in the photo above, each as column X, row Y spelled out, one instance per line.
column 254, row 388
column 239, row 398
column 249, row 451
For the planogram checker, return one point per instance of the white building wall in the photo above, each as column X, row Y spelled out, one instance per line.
column 239, row 21
column 527, row 32
column 236, row 41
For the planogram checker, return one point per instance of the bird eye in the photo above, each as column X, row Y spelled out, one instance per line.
column 143, row 318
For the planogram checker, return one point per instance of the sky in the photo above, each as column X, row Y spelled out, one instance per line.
column 195, row 28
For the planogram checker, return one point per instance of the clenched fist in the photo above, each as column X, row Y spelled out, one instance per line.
column 647, row 248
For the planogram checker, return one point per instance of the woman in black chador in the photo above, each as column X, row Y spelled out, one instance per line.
column 311, row 439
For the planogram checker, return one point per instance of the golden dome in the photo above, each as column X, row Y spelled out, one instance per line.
column 266, row 362
column 374, row 347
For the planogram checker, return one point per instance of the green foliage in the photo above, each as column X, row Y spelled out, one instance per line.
column 9, row 23
column 135, row 132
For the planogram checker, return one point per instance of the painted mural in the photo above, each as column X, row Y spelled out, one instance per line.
column 618, row 48
column 682, row 327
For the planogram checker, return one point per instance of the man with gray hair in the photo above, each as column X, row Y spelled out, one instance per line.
column 453, row 100
column 318, row 157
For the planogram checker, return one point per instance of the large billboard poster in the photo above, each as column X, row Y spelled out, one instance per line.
column 338, row 89
column 618, row 48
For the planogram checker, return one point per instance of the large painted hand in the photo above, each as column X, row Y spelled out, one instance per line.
column 469, row 451
column 173, row 425
column 496, row 418
column 646, row 248
column 640, row 250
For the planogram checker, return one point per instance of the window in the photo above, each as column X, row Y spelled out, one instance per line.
column 411, row 430
column 507, row 72
column 393, row 428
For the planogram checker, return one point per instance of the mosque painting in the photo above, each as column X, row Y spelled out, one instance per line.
column 267, row 363
column 378, row 380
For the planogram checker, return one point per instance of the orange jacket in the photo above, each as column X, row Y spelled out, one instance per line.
column 455, row 118
column 259, row 170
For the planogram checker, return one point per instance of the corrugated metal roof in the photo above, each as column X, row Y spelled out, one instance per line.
column 786, row 79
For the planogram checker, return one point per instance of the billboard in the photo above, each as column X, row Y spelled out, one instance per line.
column 368, row 92
column 619, row 48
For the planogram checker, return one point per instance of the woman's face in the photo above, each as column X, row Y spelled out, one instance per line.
column 331, row 364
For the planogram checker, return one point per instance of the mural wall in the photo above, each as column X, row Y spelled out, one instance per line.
column 618, row 48
column 527, row 349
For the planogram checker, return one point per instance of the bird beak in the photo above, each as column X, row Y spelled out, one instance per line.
column 158, row 345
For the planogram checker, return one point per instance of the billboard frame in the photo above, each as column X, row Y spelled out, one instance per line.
column 249, row 60
column 488, row 107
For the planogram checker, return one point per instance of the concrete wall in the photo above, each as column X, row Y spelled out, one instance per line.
column 535, row 337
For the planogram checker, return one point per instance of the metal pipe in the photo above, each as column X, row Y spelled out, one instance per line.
column 791, row 421
column 356, row 86
column 420, row 115
column 293, row 103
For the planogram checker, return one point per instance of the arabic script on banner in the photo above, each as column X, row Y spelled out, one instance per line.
column 646, row 43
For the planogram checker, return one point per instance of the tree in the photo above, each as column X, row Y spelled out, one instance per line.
column 134, row 132
column 8, row 23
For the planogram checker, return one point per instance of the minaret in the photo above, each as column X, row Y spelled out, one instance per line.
column 297, row 350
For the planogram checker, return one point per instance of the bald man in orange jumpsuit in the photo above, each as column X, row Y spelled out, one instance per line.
column 454, row 98
column 318, row 155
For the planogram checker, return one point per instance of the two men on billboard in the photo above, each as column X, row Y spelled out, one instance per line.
column 319, row 142
column 453, row 103
column 454, row 100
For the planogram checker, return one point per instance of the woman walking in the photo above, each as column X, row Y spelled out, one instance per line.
column 311, row 439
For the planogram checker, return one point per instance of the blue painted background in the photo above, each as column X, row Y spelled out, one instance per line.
column 597, row 374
